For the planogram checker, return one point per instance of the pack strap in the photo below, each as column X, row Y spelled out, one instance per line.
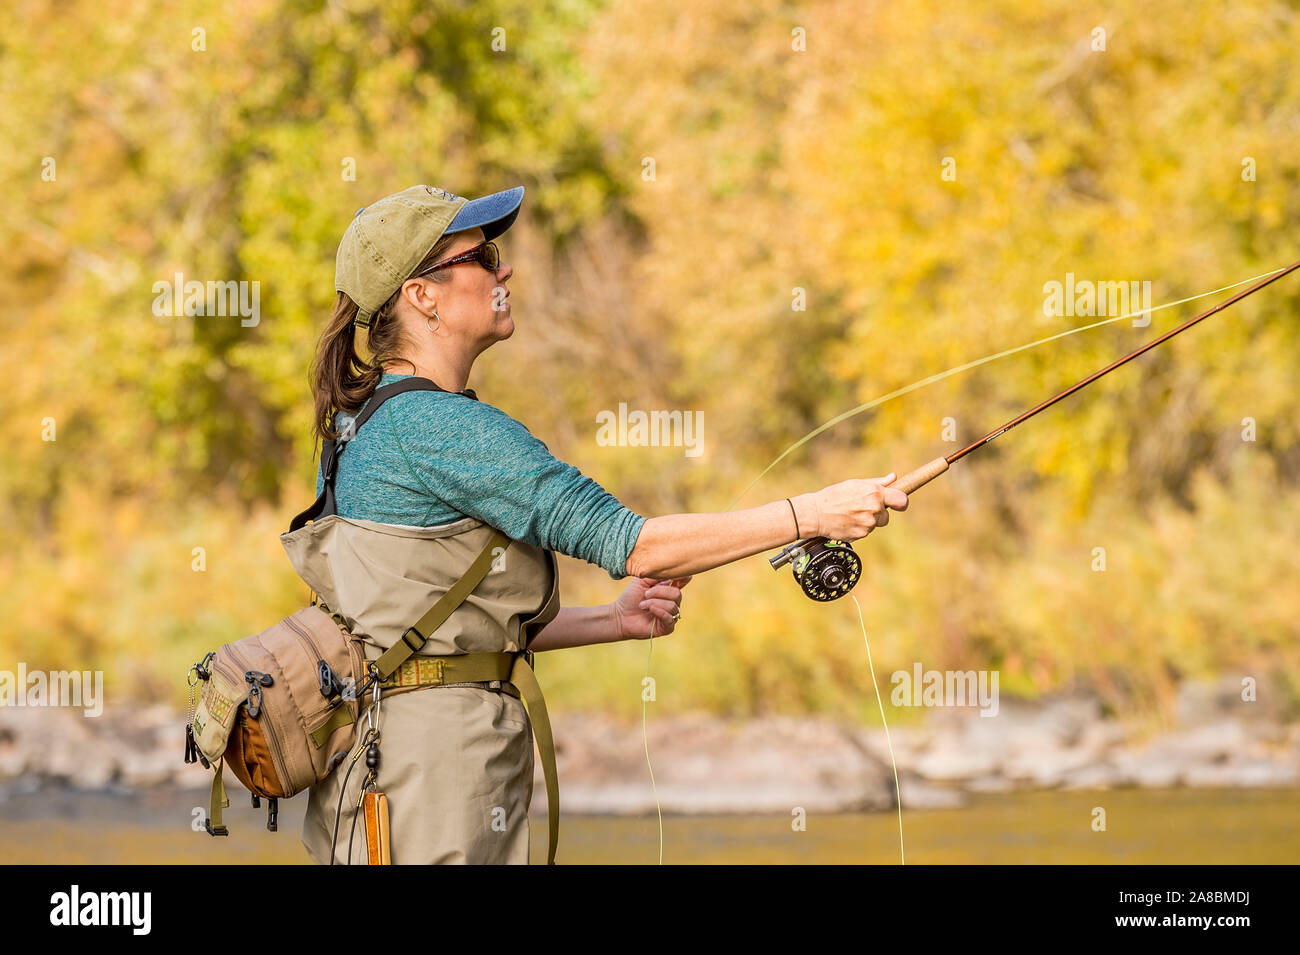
column 525, row 682
column 216, row 802
column 339, row 717
column 325, row 504
column 415, row 637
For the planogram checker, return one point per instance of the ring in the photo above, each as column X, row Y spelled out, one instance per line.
column 677, row 614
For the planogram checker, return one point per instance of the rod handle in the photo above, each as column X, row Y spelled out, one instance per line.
column 907, row 484
column 921, row 476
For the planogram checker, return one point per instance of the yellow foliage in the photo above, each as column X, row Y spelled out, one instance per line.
column 918, row 172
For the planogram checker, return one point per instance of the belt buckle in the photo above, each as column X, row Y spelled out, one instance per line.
column 528, row 658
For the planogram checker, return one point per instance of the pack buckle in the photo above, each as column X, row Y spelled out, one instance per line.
column 415, row 647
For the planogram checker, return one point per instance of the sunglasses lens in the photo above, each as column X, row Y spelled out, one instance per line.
column 489, row 257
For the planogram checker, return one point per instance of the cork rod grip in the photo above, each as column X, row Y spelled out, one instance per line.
column 921, row 476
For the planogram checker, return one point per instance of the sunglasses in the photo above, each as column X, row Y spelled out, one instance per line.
column 485, row 255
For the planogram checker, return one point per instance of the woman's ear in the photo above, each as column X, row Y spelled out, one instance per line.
column 419, row 294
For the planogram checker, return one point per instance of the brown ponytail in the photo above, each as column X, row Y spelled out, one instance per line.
column 341, row 379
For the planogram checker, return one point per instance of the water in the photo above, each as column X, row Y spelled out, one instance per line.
column 1142, row 826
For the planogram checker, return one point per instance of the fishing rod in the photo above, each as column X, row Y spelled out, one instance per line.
column 827, row 569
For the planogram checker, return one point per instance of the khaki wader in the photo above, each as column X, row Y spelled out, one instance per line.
column 456, row 761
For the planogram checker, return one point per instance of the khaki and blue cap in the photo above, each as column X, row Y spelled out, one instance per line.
column 387, row 239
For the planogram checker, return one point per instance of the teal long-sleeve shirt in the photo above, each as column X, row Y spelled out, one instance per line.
column 431, row 457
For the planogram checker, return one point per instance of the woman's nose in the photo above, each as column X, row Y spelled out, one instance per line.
column 504, row 271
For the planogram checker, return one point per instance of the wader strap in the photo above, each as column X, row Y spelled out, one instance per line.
column 414, row 639
column 216, row 802
column 325, row 504
column 525, row 681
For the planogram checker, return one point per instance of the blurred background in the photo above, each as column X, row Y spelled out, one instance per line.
column 765, row 213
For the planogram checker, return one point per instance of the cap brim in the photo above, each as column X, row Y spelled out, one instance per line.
column 493, row 214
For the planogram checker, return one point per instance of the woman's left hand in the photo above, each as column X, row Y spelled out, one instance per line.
column 648, row 602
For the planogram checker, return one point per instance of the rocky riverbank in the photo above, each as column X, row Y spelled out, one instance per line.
column 703, row 764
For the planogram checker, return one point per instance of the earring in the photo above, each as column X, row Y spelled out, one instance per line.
column 435, row 327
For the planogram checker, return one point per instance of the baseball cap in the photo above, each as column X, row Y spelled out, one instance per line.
column 387, row 239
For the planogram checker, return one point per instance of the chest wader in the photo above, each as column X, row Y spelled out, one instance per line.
column 453, row 698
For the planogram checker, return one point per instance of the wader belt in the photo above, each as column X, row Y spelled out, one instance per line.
column 457, row 668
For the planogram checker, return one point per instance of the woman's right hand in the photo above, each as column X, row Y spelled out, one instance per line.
column 851, row 509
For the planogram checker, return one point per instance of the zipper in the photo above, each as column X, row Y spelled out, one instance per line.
column 228, row 674
column 305, row 638
column 277, row 758
column 309, row 645
column 317, row 659
column 236, row 679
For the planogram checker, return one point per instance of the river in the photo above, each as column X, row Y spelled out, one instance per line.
column 1177, row 826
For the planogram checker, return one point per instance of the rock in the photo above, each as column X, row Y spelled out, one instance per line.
column 1092, row 776
column 1046, row 767
column 1208, row 701
column 704, row 765
column 142, row 769
column 991, row 784
column 13, row 757
column 619, row 799
column 909, row 742
column 1142, row 768
column 1102, row 735
column 1212, row 741
column 951, row 762
column 917, row 794
column 1245, row 773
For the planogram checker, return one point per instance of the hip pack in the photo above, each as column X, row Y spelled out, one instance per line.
column 280, row 707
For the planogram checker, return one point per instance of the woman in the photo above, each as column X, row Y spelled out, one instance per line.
column 420, row 492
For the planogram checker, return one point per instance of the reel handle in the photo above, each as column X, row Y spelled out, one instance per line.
column 908, row 483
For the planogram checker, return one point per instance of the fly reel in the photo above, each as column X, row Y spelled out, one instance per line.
column 824, row 569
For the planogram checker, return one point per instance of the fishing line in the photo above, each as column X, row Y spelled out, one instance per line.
column 898, row 796
column 932, row 379
column 645, row 741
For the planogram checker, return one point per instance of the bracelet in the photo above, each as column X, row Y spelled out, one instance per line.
column 796, row 518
